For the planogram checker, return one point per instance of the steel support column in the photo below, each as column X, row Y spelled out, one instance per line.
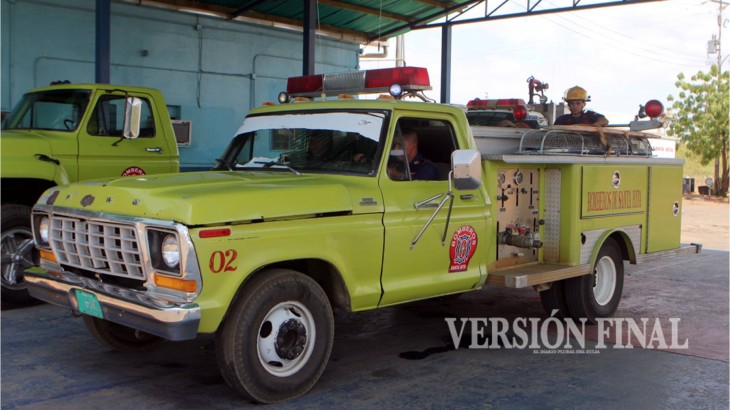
column 446, row 63
column 103, row 41
column 310, row 29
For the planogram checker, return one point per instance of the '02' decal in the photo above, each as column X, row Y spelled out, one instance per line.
column 223, row 261
column 463, row 246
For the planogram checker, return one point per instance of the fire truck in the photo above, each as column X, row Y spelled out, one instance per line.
column 319, row 202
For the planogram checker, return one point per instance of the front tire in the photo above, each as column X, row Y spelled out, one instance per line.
column 276, row 341
column 598, row 295
column 18, row 252
column 120, row 338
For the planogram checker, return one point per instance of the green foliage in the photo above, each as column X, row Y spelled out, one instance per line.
column 692, row 165
column 701, row 117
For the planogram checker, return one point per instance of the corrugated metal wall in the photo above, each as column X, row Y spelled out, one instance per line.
column 211, row 71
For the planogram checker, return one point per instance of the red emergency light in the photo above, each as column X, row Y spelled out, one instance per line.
column 398, row 81
column 654, row 108
column 520, row 112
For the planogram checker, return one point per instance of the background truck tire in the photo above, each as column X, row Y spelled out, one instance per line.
column 118, row 337
column 597, row 295
column 554, row 299
column 277, row 339
column 18, row 252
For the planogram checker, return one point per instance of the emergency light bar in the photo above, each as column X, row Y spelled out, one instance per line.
column 495, row 104
column 398, row 81
column 518, row 106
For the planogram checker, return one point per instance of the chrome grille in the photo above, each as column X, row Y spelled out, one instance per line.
column 100, row 247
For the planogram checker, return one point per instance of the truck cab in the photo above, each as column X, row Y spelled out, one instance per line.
column 69, row 132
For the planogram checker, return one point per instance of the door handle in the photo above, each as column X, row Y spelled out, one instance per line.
column 155, row 149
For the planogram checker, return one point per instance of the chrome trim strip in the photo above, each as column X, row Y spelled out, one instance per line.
column 581, row 159
column 684, row 249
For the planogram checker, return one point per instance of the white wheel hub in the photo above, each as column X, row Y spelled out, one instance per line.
column 286, row 338
column 604, row 280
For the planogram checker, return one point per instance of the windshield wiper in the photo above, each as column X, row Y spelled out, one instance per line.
column 228, row 164
column 270, row 164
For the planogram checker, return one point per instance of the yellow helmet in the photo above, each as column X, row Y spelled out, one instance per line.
column 576, row 93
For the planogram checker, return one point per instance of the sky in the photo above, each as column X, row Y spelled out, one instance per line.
column 623, row 55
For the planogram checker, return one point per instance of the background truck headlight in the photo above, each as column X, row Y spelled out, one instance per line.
column 44, row 226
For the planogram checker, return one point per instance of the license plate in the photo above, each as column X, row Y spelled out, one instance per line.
column 89, row 304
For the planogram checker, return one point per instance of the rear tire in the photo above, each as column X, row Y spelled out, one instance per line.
column 554, row 299
column 18, row 253
column 276, row 341
column 598, row 294
column 120, row 338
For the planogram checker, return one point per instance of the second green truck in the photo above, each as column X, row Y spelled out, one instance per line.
column 66, row 133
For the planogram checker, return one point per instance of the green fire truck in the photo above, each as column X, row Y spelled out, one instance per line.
column 319, row 204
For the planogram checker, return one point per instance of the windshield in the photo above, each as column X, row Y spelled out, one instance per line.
column 58, row 110
column 339, row 142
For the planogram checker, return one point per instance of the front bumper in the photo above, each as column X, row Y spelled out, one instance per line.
column 126, row 307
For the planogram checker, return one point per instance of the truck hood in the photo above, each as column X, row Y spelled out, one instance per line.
column 210, row 197
column 24, row 144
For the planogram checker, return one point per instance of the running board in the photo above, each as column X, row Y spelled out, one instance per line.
column 531, row 275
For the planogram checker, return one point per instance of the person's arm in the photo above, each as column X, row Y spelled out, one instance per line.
column 600, row 121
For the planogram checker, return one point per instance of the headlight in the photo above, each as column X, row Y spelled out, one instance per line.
column 41, row 229
column 44, row 226
column 165, row 251
column 170, row 250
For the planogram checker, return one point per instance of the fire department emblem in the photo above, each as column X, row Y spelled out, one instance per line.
column 616, row 179
column 463, row 246
column 132, row 171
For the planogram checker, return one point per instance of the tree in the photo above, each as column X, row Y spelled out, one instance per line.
column 701, row 119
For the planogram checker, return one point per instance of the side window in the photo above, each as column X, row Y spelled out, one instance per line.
column 107, row 119
column 421, row 150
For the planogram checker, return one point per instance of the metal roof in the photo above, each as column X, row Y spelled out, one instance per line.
column 362, row 21
column 366, row 21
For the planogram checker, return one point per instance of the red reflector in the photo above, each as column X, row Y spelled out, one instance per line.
column 654, row 108
column 385, row 77
column 214, row 233
column 520, row 112
column 304, row 84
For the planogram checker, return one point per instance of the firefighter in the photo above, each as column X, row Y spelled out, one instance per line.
column 576, row 98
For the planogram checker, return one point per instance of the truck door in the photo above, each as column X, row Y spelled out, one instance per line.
column 104, row 153
column 429, row 267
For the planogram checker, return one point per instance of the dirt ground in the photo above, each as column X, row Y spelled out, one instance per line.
column 706, row 221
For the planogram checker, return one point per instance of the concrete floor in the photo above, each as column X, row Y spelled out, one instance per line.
column 403, row 357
